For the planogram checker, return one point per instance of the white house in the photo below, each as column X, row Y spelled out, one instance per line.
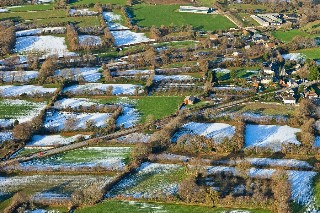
column 289, row 99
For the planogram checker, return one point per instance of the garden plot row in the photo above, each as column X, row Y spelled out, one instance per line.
column 152, row 180
column 266, row 136
column 86, row 74
column 255, row 162
column 26, row 90
column 18, row 110
column 87, row 159
column 49, row 186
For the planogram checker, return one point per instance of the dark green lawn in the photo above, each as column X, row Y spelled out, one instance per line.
column 157, row 15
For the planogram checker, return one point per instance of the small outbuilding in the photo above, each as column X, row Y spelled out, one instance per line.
column 190, row 100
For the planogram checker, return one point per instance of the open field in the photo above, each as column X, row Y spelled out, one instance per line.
column 264, row 109
column 50, row 17
column 36, row 7
column 150, row 15
column 286, row 36
column 158, row 106
column 113, row 206
column 311, row 53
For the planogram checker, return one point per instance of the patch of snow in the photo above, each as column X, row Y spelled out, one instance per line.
column 5, row 136
column 82, row 12
column 220, row 70
column 18, row 76
column 98, row 88
column 47, row 45
column 127, row 37
column 132, row 72
column 57, row 120
column 38, row 31
column 88, row 74
column 113, row 21
column 30, row 90
column 89, row 40
column 216, row 131
column 126, row 187
column 3, row 10
column 51, row 140
column 172, row 77
column 298, row 57
column 21, row 117
column 270, row 136
column 129, row 117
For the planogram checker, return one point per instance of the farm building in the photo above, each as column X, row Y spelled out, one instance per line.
column 190, row 100
column 289, row 99
column 268, row 19
column 192, row 9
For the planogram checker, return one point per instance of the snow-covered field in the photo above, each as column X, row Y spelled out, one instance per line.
column 129, row 117
column 30, row 90
column 51, row 140
column 172, row 77
column 113, row 21
column 97, row 88
column 127, row 37
column 5, row 136
column 111, row 158
column 132, row 72
column 89, row 40
column 70, row 121
column 216, row 131
column 220, row 70
column 21, row 116
column 270, row 162
column 270, row 136
column 76, row 103
column 38, row 31
column 18, row 76
column 134, row 186
column 58, row 184
column 298, row 57
column 87, row 74
column 82, row 12
column 47, row 45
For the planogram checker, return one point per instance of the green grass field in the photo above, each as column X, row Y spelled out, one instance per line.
column 286, row 36
column 112, row 206
column 13, row 110
column 265, row 109
column 90, row 155
column 157, row 15
column 311, row 53
column 50, row 18
column 158, row 106
column 34, row 7
column 87, row 2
